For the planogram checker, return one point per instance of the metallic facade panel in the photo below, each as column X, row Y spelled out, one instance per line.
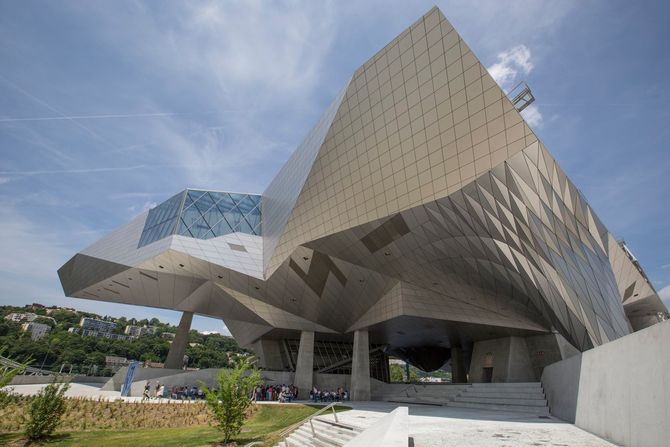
column 421, row 207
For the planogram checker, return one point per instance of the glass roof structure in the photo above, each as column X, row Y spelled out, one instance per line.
column 203, row 215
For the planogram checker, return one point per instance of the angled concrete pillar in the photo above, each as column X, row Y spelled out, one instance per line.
column 457, row 366
column 175, row 357
column 360, row 367
column 304, row 368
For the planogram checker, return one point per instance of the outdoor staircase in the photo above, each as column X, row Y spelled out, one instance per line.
column 318, row 432
column 525, row 397
column 422, row 394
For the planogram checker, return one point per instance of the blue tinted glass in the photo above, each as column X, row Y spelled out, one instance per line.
column 191, row 216
column 246, row 205
column 218, row 196
column 237, row 198
column 244, row 227
column 213, row 216
column 234, row 218
column 204, row 203
column 204, row 215
column 254, row 217
column 225, row 203
column 161, row 220
column 221, row 228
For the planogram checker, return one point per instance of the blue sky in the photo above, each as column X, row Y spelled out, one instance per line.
column 107, row 108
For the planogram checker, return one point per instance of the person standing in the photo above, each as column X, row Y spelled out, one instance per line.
column 145, row 394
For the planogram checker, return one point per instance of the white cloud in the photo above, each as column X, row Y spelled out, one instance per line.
column 4, row 180
column 246, row 54
column 510, row 64
column 533, row 116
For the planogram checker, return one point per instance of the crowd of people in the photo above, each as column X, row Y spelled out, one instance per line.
column 316, row 395
column 269, row 393
column 279, row 393
column 159, row 391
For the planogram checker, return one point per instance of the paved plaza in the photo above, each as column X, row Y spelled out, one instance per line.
column 430, row 426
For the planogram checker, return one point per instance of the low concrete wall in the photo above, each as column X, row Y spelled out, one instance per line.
column 178, row 377
column 141, row 374
column 33, row 380
column 508, row 356
column 620, row 390
column 391, row 430
column 174, row 377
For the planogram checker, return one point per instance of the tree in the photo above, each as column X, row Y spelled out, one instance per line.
column 46, row 410
column 397, row 373
column 230, row 401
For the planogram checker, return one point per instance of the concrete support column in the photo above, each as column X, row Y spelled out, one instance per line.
column 304, row 368
column 175, row 357
column 360, row 367
column 457, row 366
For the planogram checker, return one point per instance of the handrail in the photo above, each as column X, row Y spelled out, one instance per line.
column 287, row 431
column 4, row 361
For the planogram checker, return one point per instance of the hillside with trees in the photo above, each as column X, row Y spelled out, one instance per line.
column 87, row 354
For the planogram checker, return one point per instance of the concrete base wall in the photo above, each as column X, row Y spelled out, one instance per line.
column 175, row 356
column 391, row 430
column 518, row 359
column 360, row 367
column 142, row 375
column 170, row 378
column 544, row 350
column 561, row 387
column 304, row 368
column 519, row 366
column 507, row 356
column 269, row 354
column 620, row 390
column 34, row 380
column 178, row 377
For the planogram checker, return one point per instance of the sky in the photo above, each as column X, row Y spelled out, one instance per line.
column 108, row 108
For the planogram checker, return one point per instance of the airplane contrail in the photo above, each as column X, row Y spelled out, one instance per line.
column 95, row 117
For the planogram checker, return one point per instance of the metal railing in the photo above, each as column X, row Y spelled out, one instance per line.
column 287, row 432
column 25, row 370
column 521, row 96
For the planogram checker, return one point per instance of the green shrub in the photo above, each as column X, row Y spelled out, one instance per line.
column 46, row 410
column 230, row 401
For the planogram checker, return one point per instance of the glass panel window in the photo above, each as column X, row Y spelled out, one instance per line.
column 203, row 215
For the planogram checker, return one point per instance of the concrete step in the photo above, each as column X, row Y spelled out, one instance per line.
column 503, row 401
column 508, row 385
column 502, row 389
column 327, row 433
column 419, row 401
column 505, row 395
column 536, row 411
column 321, row 440
column 295, row 440
column 335, row 427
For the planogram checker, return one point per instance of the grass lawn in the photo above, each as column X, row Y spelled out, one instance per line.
column 264, row 425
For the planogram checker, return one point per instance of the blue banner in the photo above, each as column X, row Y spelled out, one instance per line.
column 125, row 389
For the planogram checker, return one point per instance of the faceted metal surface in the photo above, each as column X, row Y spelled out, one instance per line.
column 421, row 207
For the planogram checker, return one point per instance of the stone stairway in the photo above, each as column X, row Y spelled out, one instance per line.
column 326, row 434
column 425, row 394
column 525, row 397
